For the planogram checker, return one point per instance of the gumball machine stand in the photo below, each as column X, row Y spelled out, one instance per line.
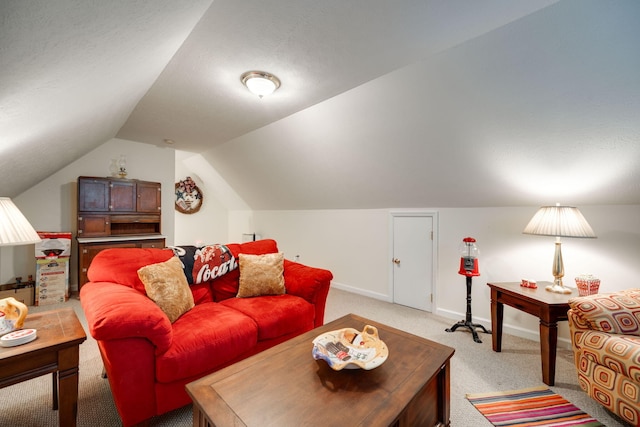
column 469, row 268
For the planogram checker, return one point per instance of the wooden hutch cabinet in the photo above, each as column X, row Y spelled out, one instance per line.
column 116, row 213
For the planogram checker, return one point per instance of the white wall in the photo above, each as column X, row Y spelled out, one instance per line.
column 223, row 217
column 355, row 246
column 51, row 205
column 210, row 223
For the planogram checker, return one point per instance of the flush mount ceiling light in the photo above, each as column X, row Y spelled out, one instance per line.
column 260, row 83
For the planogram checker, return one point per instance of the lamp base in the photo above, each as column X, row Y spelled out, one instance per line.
column 558, row 289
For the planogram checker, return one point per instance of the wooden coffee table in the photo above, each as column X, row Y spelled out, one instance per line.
column 285, row 386
column 56, row 350
column 547, row 306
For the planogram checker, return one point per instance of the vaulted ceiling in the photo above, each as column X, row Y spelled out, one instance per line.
column 383, row 103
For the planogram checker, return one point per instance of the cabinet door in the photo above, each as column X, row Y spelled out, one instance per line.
column 93, row 194
column 94, row 225
column 123, row 196
column 149, row 197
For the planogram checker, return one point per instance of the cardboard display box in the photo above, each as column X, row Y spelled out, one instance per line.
column 24, row 295
column 52, row 281
column 53, row 245
column 52, row 267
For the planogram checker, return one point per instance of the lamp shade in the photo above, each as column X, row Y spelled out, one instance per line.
column 14, row 227
column 559, row 221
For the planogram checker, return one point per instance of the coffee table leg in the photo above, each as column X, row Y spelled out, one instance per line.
column 548, row 348
column 497, row 314
column 54, row 393
column 444, row 393
column 68, row 386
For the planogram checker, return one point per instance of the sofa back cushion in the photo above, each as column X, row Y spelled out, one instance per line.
column 227, row 286
column 616, row 313
column 121, row 265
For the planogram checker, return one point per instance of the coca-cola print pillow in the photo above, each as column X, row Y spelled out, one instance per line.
column 205, row 263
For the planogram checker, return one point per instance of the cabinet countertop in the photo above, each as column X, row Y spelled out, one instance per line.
column 120, row 238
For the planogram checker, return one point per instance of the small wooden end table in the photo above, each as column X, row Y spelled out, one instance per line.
column 56, row 350
column 285, row 386
column 549, row 307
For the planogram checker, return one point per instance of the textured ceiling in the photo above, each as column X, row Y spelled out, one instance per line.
column 72, row 72
column 317, row 49
column 383, row 104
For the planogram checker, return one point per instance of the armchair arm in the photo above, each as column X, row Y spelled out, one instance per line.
column 611, row 313
column 620, row 353
column 310, row 283
column 115, row 311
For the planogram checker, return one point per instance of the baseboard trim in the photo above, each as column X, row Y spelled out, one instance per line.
column 506, row 328
column 517, row 331
column 363, row 292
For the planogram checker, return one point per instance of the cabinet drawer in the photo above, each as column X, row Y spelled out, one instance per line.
column 94, row 225
column 157, row 243
column 520, row 304
column 133, row 219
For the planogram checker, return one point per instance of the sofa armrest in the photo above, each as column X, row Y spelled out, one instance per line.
column 310, row 283
column 130, row 367
column 612, row 313
column 115, row 311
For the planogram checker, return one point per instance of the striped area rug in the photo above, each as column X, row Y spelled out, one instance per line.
column 536, row 406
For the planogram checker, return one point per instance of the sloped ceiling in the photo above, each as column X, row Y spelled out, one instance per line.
column 72, row 71
column 383, row 104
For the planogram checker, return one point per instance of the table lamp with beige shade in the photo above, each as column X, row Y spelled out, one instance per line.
column 559, row 221
column 14, row 230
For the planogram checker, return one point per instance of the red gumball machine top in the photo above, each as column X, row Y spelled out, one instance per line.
column 469, row 257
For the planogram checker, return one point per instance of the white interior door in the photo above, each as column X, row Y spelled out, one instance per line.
column 413, row 261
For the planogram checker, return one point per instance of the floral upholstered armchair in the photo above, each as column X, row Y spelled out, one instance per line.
column 605, row 335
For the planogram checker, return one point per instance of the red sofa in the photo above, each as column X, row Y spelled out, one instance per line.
column 149, row 360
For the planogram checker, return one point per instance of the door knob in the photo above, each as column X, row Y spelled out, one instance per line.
column 396, row 261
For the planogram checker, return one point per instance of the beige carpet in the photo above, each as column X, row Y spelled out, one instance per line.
column 475, row 369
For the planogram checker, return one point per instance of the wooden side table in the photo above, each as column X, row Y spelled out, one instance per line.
column 549, row 307
column 56, row 350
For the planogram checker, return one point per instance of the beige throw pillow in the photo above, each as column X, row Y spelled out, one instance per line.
column 261, row 275
column 166, row 284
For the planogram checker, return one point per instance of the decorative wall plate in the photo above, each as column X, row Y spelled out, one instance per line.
column 188, row 196
column 350, row 349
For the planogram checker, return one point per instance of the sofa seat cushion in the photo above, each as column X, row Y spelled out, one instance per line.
column 275, row 315
column 204, row 338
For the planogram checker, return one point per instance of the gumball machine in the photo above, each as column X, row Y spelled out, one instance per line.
column 469, row 257
column 469, row 253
